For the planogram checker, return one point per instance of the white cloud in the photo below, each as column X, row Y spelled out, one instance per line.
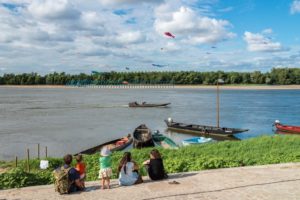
column 261, row 43
column 295, row 7
column 130, row 37
column 267, row 31
column 117, row 2
column 191, row 27
column 53, row 9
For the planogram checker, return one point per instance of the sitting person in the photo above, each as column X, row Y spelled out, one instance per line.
column 80, row 167
column 155, row 166
column 128, row 171
column 67, row 178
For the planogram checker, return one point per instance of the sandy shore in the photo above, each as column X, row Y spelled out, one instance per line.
column 226, row 87
column 268, row 182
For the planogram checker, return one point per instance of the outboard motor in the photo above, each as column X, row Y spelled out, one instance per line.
column 170, row 120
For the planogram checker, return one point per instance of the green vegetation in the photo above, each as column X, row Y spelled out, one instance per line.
column 277, row 76
column 256, row 151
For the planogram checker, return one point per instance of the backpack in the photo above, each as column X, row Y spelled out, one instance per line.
column 62, row 183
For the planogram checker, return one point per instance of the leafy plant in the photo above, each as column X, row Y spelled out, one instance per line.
column 256, row 151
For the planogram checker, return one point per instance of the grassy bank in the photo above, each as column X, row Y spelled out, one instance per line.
column 256, row 151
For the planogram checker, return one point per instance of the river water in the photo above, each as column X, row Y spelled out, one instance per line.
column 68, row 120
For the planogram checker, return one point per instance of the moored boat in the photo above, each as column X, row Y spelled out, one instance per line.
column 203, row 129
column 164, row 141
column 142, row 137
column 287, row 128
column 196, row 140
column 144, row 104
column 114, row 145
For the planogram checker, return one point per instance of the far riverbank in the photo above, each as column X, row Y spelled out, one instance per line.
column 158, row 86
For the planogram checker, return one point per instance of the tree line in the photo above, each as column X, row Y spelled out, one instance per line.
column 277, row 76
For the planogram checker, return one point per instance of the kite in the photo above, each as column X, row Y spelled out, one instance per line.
column 169, row 34
column 127, row 68
column 95, row 72
column 213, row 47
column 157, row 65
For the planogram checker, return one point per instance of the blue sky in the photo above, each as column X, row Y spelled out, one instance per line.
column 80, row 36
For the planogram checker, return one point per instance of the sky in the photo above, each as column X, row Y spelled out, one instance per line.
column 80, row 36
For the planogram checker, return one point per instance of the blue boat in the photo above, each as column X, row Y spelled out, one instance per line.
column 196, row 140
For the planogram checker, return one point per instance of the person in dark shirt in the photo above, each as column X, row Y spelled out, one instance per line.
column 155, row 166
column 74, row 177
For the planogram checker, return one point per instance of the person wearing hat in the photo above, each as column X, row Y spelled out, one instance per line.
column 105, row 167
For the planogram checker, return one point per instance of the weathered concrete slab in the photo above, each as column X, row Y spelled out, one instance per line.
column 272, row 182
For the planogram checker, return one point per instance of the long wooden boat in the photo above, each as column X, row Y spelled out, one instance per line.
column 114, row 145
column 287, row 128
column 202, row 129
column 147, row 105
column 142, row 137
column 164, row 141
column 196, row 140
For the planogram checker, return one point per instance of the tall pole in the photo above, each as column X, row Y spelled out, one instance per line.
column 218, row 105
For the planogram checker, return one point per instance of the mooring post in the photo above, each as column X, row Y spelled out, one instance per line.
column 28, row 168
column 46, row 151
column 16, row 161
column 38, row 150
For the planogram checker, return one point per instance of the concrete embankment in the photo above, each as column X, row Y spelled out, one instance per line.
column 274, row 182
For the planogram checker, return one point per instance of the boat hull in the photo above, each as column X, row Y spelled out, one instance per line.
column 147, row 105
column 142, row 137
column 288, row 128
column 203, row 130
column 112, row 146
column 196, row 141
column 164, row 142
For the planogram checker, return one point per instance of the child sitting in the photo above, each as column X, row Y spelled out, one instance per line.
column 105, row 167
column 80, row 167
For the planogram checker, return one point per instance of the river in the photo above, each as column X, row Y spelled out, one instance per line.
column 68, row 120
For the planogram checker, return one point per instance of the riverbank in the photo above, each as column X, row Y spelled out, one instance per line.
column 161, row 86
column 269, row 182
column 256, row 151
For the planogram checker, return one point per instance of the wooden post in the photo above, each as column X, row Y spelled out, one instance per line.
column 38, row 150
column 218, row 106
column 28, row 167
column 46, row 152
column 16, row 161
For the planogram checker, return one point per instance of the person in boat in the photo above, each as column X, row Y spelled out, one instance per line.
column 128, row 171
column 144, row 102
column 123, row 140
column 155, row 166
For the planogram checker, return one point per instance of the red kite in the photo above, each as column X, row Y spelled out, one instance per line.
column 169, row 34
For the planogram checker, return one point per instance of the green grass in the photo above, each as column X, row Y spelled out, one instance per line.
column 256, row 151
